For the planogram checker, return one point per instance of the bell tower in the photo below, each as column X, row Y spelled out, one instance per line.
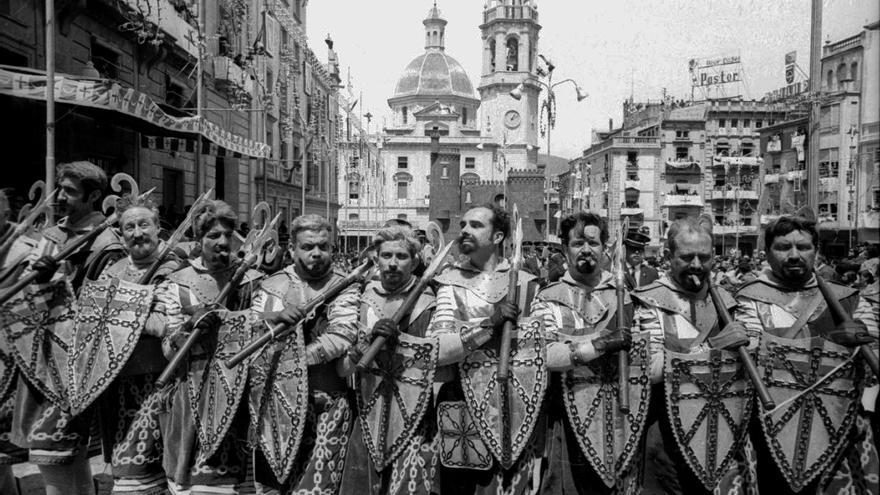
column 510, row 47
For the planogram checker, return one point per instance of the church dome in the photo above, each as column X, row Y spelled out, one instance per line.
column 434, row 73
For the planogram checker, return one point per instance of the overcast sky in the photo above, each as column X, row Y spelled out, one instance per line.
column 612, row 48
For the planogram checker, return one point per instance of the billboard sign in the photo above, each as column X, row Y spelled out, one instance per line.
column 715, row 71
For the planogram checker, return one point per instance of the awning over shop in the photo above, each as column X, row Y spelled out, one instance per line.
column 109, row 95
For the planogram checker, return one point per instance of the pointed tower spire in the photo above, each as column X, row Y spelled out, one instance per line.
column 435, row 29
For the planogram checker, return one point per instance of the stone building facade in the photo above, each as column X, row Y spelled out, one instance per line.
column 254, row 55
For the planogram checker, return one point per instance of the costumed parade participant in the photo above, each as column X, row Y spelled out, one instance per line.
column 9, row 453
column 134, row 362
column 300, row 407
column 816, row 440
column 202, row 420
column 42, row 420
column 393, row 448
column 703, row 397
column 592, row 446
column 487, row 441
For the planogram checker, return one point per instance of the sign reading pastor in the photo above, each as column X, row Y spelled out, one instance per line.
column 722, row 77
column 715, row 71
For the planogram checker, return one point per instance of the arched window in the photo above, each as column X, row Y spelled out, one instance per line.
column 492, row 54
column 854, row 71
column 512, row 54
column 829, row 81
column 464, row 115
column 467, row 197
column 841, row 75
column 405, row 114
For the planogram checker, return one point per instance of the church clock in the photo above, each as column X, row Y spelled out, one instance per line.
column 512, row 119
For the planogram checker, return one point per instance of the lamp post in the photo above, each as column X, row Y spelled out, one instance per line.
column 549, row 106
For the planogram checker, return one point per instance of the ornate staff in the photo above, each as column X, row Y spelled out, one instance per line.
column 724, row 319
column 73, row 247
column 841, row 316
column 246, row 264
column 503, row 374
column 620, row 290
column 408, row 303
column 175, row 237
column 282, row 330
column 27, row 216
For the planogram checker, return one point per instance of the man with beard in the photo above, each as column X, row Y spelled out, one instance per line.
column 277, row 381
column 472, row 308
column 186, row 297
column 80, row 186
column 137, row 459
column 410, row 468
column 799, row 334
column 681, row 317
column 583, row 303
column 637, row 273
column 57, row 442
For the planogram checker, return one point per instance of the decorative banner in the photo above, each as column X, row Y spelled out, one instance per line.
column 110, row 95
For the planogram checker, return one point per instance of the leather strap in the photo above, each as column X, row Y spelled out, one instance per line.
column 792, row 331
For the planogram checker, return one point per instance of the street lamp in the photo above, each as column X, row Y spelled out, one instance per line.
column 549, row 106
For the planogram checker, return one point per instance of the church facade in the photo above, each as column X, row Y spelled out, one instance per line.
column 448, row 148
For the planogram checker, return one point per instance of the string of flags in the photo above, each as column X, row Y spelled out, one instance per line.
column 185, row 145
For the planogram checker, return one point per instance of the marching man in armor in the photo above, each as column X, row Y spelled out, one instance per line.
column 202, row 422
column 394, row 450
column 299, row 405
column 41, row 419
column 472, row 308
column 694, row 378
column 136, row 460
column 578, row 313
column 816, row 440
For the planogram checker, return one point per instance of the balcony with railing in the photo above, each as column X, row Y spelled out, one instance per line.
column 737, row 161
column 734, row 193
column 349, row 225
column 631, row 209
column 274, row 171
column 735, row 229
column 829, row 184
column 841, row 45
column 510, row 12
column 683, row 166
column 163, row 14
column 673, row 199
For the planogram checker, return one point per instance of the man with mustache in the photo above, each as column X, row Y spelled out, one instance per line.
column 277, row 373
column 681, row 317
column 137, row 455
column 472, row 308
column 186, row 297
column 800, row 335
column 80, row 186
column 412, row 468
column 582, row 303
column 57, row 442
